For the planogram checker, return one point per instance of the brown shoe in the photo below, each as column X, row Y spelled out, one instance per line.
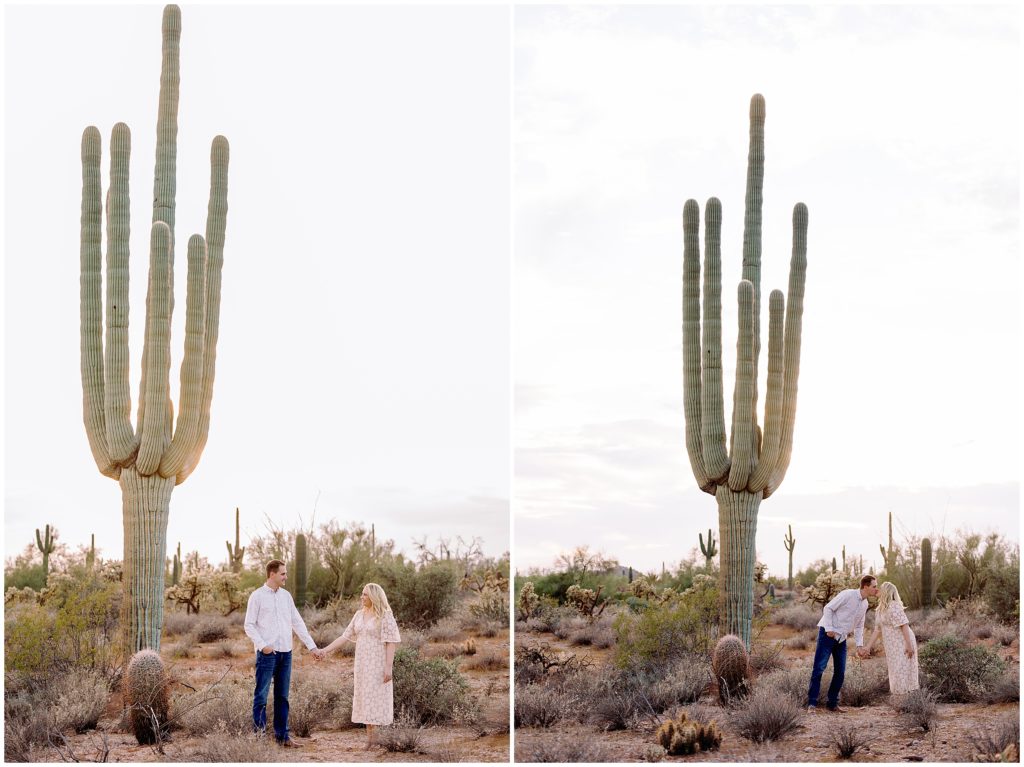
column 837, row 710
column 289, row 744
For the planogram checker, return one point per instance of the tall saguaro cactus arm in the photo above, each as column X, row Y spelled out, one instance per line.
column 149, row 459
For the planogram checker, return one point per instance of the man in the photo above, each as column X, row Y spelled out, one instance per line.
column 845, row 613
column 270, row 619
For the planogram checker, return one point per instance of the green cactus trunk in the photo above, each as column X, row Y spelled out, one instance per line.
column 926, row 573
column 300, row 570
column 737, row 528
column 790, row 543
column 45, row 545
column 90, row 559
column 145, row 511
column 236, row 554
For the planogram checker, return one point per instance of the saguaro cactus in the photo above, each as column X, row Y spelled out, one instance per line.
column 176, row 567
column 235, row 555
column 150, row 459
column 300, row 570
column 45, row 544
column 790, row 543
column 755, row 464
column 708, row 551
column 887, row 555
column 926, row 573
column 90, row 558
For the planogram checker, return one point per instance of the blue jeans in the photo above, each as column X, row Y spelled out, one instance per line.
column 825, row 648
column 276, row 667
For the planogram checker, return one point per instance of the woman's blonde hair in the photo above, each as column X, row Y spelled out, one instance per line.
column 887, row 595
column 378, row 599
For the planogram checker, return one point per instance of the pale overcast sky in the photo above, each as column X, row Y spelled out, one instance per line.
column 364, row 342
column 899, row 127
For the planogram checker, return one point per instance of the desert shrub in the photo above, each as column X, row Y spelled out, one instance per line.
column 1002, row 592
column 492, row 605
column 177, row 623
column 958, row 672
column 185, row 648
column 491, row 628
column 1000, row 743
column 325, row 633
column 1005, row 689
column 765, row 658
column 420, row 597
column 663, row 632
column 1006, row 635
column 413, row 639
column 79, row 699
column 316, row 702
column 918, row 709
column 227, row 747
column 27, row 725
column 652, row 754
column 792, row 683
column 863, row 685
column 562, row 749
column 684, row 681
column 765, row 716
column 799, row 642
column 540, row 706
column 211, row 628
column 799, row 615
column 224, row 708
column 487, row 661
column 404, row 736
column 432, row 691
column 444, row 630
column 618, row 702
column 847, row 739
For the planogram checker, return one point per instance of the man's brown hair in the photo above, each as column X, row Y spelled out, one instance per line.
column 273, row 566
column 866, row 580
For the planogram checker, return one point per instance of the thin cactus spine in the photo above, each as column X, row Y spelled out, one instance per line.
column 155, row 455
column 300, row 570
column 757, row 461
column 236, row 554
column 926, row 573
column 45, row 544
column 790, row 543
column 710, row 550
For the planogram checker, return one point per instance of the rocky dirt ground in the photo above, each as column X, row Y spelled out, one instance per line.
column 334, row 741
column 890, row 739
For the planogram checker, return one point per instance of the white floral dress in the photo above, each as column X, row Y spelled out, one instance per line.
column 903, row 675
column 373, row 701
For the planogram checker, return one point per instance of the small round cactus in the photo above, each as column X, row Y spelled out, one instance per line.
column 146, row 697
column 730, row 665
column 682, row 736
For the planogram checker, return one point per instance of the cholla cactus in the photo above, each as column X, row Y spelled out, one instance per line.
column 756, row 463
column 146, row 696
column 585, row 600
column 684, row 736
column 826, row 586
column 529, row 601
column 731, row 667
column 641, row 588
column 156, row 454
column 235, row 554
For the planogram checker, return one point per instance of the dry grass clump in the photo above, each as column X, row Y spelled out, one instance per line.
column 325, row 633
column 222, row 650
column 412, row 639
column 211, row 628
column 918, row 709
column 225, row 747
column 223, row 707
column 792, row 683
column 1005, row 689
column 317, row 702
column 999, row 744
column 404, row 736
column 684, row 681
column 865, row 683
column 798, row 615
column 1006, row 635
column 617, row 703
column 561, row 749
column 847, row 739
column 766, row 716
column 799, row 642
column 765, row 658
column 176, row 624
column 491, row 629
column 652, row 754
column 185, row 648
column 27, row 725
column 445, row 630
column 79, row 699
column 487, row 661
column 539, row 706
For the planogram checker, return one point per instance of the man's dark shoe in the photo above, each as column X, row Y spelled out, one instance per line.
column 289, row 744
column 836, row 710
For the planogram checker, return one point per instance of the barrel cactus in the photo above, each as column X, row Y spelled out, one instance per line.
column 731, row 667
column 146, row 696
column 756, row 463
column 300, row 570
column 151, row 458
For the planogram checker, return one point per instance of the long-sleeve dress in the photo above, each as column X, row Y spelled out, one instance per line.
column 903, row 674
column 373, row 701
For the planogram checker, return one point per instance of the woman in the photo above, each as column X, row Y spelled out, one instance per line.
column 897, row 638
column 375, row 633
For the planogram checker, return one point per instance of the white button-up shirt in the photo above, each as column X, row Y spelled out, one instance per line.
column 270, row 619
column 845, row 613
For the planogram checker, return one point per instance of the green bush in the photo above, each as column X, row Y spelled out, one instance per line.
column 666, row 631
column 420, row 598
column 1002, row 593
column 431, row 691
column 958, row 672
